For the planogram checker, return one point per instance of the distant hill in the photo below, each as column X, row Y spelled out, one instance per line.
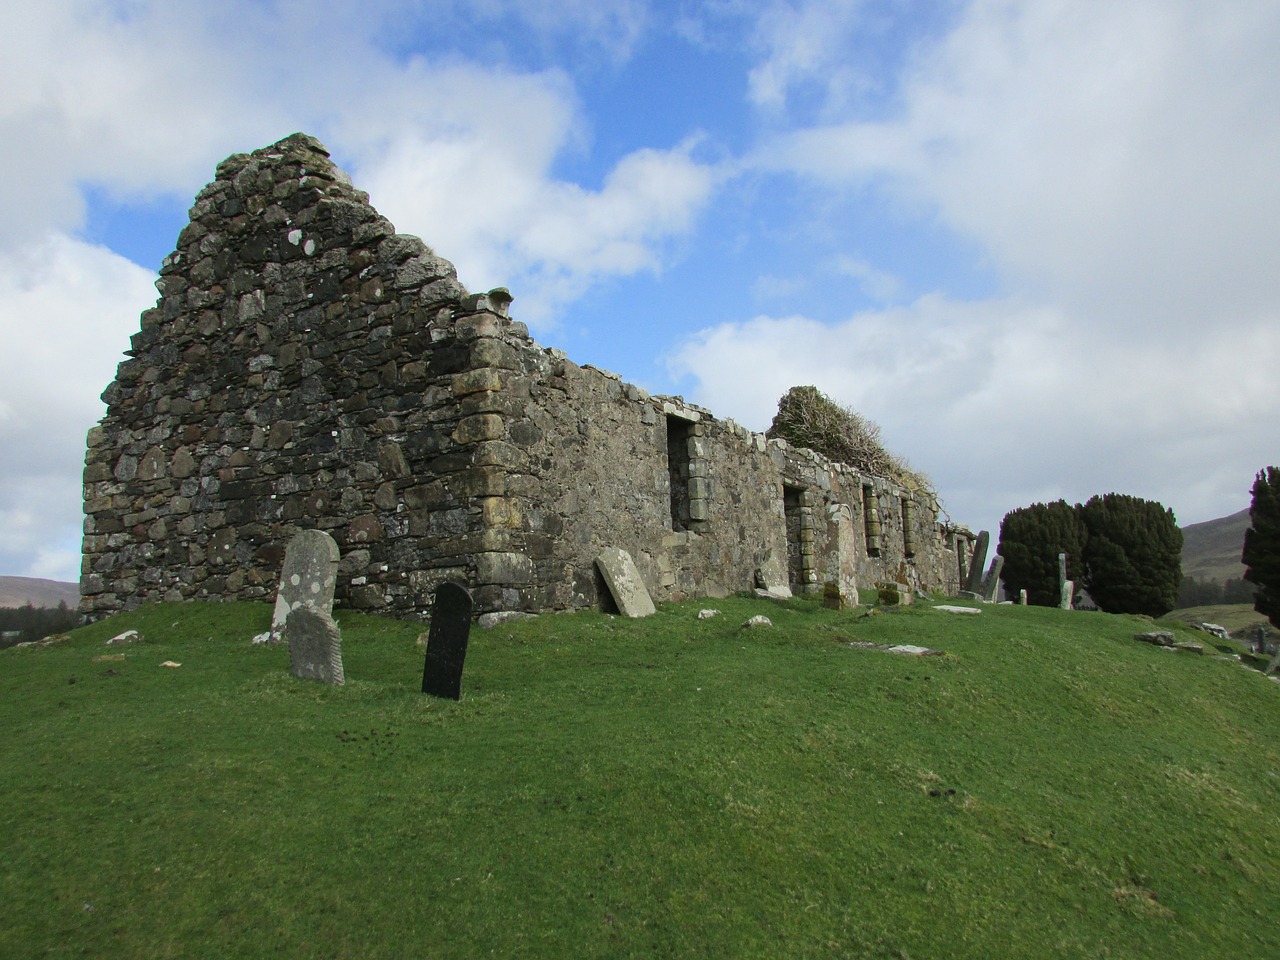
column 19, row 591
column 1211, row 550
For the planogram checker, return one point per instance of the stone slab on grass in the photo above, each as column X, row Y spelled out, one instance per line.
column 948, row 608
column 623, row 580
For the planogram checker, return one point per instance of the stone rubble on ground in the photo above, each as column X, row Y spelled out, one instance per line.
column 758, row 621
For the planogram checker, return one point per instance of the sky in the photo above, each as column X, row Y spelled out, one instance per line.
column 1036, row 241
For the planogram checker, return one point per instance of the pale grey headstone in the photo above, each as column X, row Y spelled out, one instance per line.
column 991, row 582
column 308, row 579
column 1068, row 592
column 315, row 646
column 623, row 580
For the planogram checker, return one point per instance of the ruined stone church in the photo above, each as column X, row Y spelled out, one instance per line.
column 306, row 367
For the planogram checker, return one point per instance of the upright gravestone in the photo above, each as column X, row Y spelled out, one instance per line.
column 308, row 578
column 447, row 641
column 1067, row 594
column 315, row 646
column 976, row 563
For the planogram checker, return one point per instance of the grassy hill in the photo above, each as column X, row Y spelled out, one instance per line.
column 666, row 787
column 1211, row 550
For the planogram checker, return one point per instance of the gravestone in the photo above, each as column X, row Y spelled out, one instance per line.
column 447, row 641
column 1062, row 569
column 976, row 563
column 623, row 579
column 991, row 582
column 315, row 645
column 308, row 578
column 1068, row 592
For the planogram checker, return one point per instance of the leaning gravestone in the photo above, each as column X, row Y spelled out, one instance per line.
column 991, row 582
column 308, row 578
column 623, row 580
column 315, row 646
column 447, row 641
column 974, row 583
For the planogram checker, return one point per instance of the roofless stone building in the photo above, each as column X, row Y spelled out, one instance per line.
column 307, row 367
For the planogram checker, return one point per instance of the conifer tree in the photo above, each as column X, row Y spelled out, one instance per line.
column 1031, row 539
column 1261, row 553
column 1133, row 554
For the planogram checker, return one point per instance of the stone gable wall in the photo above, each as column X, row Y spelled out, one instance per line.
column 306, row 367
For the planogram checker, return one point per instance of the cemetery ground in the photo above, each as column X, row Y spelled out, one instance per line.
column 670, row 786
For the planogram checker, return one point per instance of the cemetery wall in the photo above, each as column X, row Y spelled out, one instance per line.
column 305, row 367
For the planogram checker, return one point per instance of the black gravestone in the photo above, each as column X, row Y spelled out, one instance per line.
column 447, row 641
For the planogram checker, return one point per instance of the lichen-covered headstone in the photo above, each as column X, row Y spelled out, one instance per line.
column 308, row 579
column 315, row 646
column 447, row 641
column 623, row 580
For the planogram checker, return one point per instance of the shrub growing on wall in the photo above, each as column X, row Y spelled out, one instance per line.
column 1031, row 539
column 807, row 417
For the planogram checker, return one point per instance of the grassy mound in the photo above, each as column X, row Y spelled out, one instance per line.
column 665, row 787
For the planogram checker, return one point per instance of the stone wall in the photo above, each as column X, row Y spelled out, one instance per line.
column 306, row 367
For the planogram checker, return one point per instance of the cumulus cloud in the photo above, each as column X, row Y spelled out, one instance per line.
column 1116, row 157
column 67, row 310
column 1006, row 402
column 1113, row 163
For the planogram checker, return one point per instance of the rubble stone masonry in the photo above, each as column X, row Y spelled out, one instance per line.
column 306, row 367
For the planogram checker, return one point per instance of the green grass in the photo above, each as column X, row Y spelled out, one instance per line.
column 666, row 787
column 1233, row 616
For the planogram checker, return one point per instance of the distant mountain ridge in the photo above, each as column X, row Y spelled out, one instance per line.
column 1211, row 550
column 19, row 591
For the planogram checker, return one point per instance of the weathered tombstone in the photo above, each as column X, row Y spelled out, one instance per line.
column 1062, row 569
column 991, row 582
column 1022, row 597
column 623, row 579
column 309, row 576
column 1068, row 592
column 315, row 645
column 976, row 563
column 447, row 641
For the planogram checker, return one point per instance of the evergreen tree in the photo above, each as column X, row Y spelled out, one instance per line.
column 1262, row 544
column 1132, row 556
column 1031, row 539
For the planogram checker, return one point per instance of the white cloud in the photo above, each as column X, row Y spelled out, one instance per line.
column 1116, row 157
column 1004, row 402
column 807, row 44
column 498, row 214
column 1115, row 164
column 67, row 310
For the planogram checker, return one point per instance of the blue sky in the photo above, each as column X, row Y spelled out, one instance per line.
column 1035, row 240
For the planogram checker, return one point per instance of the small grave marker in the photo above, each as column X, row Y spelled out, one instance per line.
column 308, row 579
column 447, row 641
